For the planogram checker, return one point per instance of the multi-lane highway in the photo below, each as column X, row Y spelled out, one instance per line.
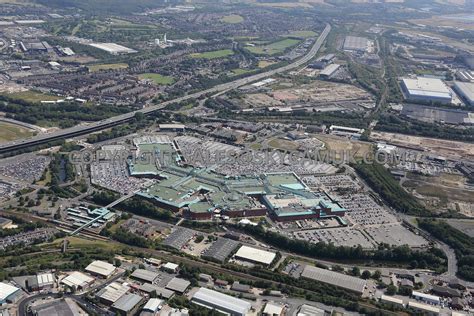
column 116, row 120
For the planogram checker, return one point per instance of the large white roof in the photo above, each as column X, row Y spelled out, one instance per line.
column 113, row 292
column 224, row 301
column 425, row 296
column 153, row 305
column 77, row 279
column 422, row 86
column 256, row 255
column 6, row 290
column 45, row 278
column 101, row 267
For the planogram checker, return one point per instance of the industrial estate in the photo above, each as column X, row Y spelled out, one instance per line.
column 290, row 158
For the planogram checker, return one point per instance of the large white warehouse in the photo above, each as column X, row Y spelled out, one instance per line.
column 426, row 90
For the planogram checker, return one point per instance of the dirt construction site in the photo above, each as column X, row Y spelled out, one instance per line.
column 446, row 148
column 312, row 93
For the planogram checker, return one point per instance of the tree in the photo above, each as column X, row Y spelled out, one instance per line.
column 391, row 290
column 355, row 271
column 376, row 275
column 366, row 274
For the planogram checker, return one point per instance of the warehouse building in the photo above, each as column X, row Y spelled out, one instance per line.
column 308, row 310
column 8, row 293
column 101, row 268
column 424, row 308
column 144, row 275
column 221, row 302
column 62, row 307
column 221, row 249
column 127, row 304
column 170, row 267
column 426, row 90
column 329, row 71
column 273, row 309
column 338, row 279
column 254, row 255
column 392, row 300
column 178, row 285
column 112, row 292
column 45, row 280
column 153, row 305
column 466, row 91
column 427, row 298
column 160, row 291
column 77, row 280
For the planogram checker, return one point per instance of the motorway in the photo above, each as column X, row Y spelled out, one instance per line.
column 119, row 119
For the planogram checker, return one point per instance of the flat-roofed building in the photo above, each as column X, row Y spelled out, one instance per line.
column 112, row 292
column 61, row 307
column 329, row 71
column 172, row 127
column 428, row 298
column 101, row 268
column 161, row 292
column 144, row 275
column 170, row 267
column 392, row 300
column 221, row 302
column 255, row 255
column 346, row 131
column 127, row 304
column 466, row 91
column 425, row 308
column 45, row 280
column 426, row 90
column 78, row 280
column 273, row 309
column 338, row 279
column 178, row 285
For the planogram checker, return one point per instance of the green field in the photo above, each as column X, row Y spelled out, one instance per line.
column 33, row 96
column 98, row 67
column 302, row 34
column 232, row 19
column 240, row 71
column 213, row 54
column 264, row 63
column 157, row 78
column 274, row 48
column 9, row 132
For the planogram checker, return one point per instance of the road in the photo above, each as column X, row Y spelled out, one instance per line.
column 79, row 298
column 119, row 119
